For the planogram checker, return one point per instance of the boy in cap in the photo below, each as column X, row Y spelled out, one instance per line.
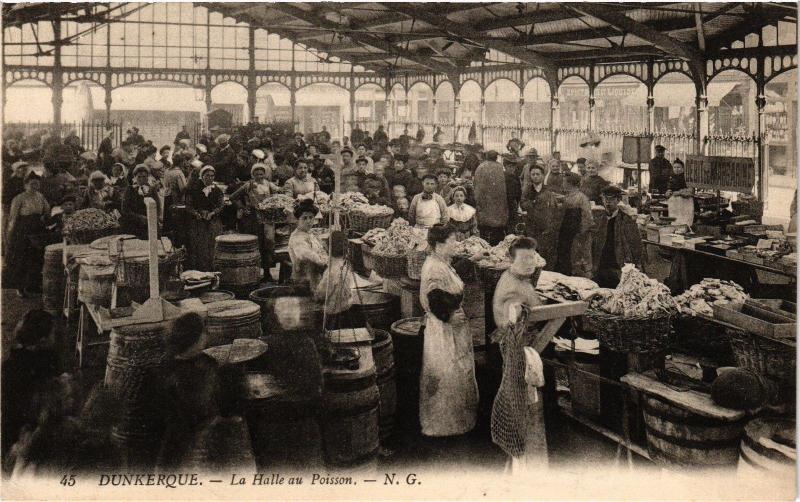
column 617, row 241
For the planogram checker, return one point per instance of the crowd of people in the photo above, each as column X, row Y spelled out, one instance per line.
column 576, row 220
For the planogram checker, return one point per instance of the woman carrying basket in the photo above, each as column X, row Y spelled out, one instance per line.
column 252, row 222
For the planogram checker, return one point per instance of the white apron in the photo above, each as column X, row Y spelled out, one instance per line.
column 448, row 399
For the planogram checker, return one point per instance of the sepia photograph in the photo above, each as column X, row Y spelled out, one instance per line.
column 399, row 251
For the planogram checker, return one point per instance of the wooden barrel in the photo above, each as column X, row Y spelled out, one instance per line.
column 231, row 319
column 53, row 281
column 380, row 309
column 216, row 296
column 95, row 284
column 762, row 452
column 383, row 354
column 349, row 421
column 407, row 344
column 287, row 310
column 237, row 258
column 283, row 424
column 132, row 351
column 678, row 437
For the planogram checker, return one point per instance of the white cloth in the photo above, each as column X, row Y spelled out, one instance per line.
column 682, row 209
column 428, row 213
column 461, row 214
column 534, row 373
column 448, row 389
column 207, row 190
column 262, row 188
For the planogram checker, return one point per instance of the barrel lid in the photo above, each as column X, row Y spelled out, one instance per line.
column 216, row 296
column 773, row 433
column 232, row 308
column 367, row 297
column 236, row 238
column 241, row 350
column 407, row 327
column 102, row 242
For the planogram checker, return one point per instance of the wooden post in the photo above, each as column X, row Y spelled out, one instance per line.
column 152, row 239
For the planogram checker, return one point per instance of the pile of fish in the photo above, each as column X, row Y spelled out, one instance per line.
column 698, row 299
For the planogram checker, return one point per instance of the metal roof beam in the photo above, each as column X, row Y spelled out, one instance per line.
column 466, row 32
column 365, row 38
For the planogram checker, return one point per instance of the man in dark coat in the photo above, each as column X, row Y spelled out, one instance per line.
column 617, row 241
column 660, row 171
column 543, row 215
column 380, row 136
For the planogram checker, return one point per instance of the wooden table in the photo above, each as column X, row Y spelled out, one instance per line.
column 690, row 266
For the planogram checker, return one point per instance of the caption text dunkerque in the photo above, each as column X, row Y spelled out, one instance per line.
column 257, row 479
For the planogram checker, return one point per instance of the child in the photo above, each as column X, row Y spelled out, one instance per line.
column 399, row 192
column 462, row 215
column 401, row 206
column 444, row 189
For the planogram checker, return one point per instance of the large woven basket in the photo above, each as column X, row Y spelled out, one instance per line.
column 629, row 334
column 361, row 222
column 273, row 215
column 388, row 266
column 136, row 272
column 489, row 276
column 766, row 356
column 89, row 236
column 414, row 261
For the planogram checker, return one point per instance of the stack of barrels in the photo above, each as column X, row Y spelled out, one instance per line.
column 53, row 281
column 237, row 258
column 768, row 450
column 380, row 309
column 230, row 319
column 288, row 310
column 349, row 423
column 383, row 354
column 133, row 353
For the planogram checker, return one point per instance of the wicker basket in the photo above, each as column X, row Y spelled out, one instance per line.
column 366, row 257
column 361, row 222
column 89, row 236
column 414, row 262
column 766, row 356
column 629, row 334
column 135, row 273
column 388, row 266
column 699, row 335
column 274, row 215
column 490, row 275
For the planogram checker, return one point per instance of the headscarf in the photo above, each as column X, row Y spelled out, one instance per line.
column 257, row 166
column 207, row 190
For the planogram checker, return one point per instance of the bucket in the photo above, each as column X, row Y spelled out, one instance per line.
column 237, row 258
column 380, row 309
column 767, row 448
column 95, row 281
column 283, row 425
column 231, row 319
column 349, row 421
column 678, row 437
column 287, row 310
column 53, row 281
column 383, row 354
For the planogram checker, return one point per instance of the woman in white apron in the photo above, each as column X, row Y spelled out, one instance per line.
column 448, row 399
column 680, row 198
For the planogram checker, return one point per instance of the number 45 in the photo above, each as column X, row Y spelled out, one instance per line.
column 68, row 480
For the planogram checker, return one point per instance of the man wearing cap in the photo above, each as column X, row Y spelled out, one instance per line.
column 580, row 164
column 543, row 215
column 324, row 135
column 490, row 199
column 299, row 146
column 380, row 136
column 616, row 242
column 182, row 135
column 134, row 211
column 224, row 161
column 428, row 208
column 660, row 171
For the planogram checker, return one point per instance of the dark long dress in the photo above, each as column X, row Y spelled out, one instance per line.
column 22, row 265
column 204, row 232
column 134, row 211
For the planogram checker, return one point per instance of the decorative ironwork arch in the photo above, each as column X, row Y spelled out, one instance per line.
column 561, row 82
column 441, row 83
column 363, row 80
column 400, row 86
column 776, row 65
column 43, row 76
column 123, row 79
column 582, row 72
column 476, row 75
column 638, row 71
column 661, row 68
column 339, row 80
column 543, row 79
column 491, row 76
column 497, row 79
column 465, row 82
column 420, row 81
column 235, row 78
column 748, row 66
column 97, row 77
column 282, row 79
column 530, row 73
